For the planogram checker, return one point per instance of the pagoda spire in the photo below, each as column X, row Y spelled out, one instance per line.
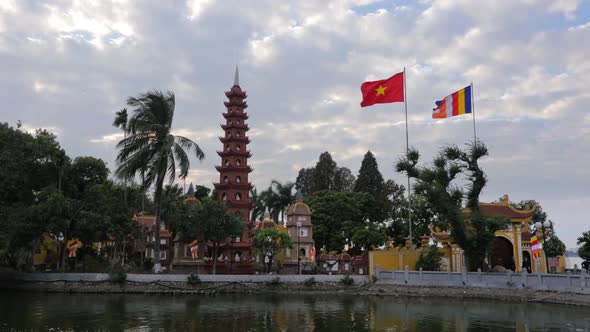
column 237, row 77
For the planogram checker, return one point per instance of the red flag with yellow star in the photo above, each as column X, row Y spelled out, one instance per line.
column 386, row 91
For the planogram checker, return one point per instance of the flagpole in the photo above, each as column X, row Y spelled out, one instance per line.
column 407, row 155
column 473, row 113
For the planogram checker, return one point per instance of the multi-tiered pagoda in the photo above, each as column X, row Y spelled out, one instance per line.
column 234, row 187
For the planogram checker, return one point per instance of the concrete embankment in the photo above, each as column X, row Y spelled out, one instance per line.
column 321, row 285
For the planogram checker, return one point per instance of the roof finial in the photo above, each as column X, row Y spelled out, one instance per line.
column 237, row 77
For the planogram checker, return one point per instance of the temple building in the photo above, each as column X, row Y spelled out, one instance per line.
column 233, row 186
column 300, row 230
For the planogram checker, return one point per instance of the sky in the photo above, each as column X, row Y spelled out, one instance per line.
column 69, row 65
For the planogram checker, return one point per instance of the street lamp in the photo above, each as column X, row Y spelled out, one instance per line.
column 298, row 257
column 542, row 226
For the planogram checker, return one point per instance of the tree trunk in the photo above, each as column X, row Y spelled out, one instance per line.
column 215, row 244
column 158, row 202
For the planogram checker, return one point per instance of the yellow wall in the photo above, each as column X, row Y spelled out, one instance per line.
column 393, row 259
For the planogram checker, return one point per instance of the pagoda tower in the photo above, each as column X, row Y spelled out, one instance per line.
column 233, row 186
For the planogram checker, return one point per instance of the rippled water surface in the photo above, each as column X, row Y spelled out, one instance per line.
column 67, row 312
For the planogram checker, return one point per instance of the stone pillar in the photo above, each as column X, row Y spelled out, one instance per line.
column 518, row 248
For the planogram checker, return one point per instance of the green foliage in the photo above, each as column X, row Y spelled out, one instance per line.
column 584, row 243
column 118, row 275
column 336, row 216
column 201, row 192
column 371, row 181
column 309, row 282
column 368, row 236
column 326, row 175
column 276, row 281
column 347, row 280
column 553, row 247
column 430, row 259
column 86, row 172
column 436, row 184
column 193, row 279
column 269, row 242
column 150, row 150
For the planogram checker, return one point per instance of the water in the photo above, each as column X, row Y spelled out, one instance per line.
column 71, row 312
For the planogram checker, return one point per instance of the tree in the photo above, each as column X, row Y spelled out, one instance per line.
column 553, row 246
column 201, row 192
column 269, row 242
column 436, row 184
column 86, row 172
column 371, row 181
column 343, row 180
column 120, row 121
column 218, row 225
column 304, row 181
column 284, row 197
column 430, row 259
column 152, row 150
column 368, row 236
column 584, row 243
column 258, row 209
column 337, row 215
column 323, row 174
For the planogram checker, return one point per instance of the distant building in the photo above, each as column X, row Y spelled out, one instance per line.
column 147, row 244
column 300, row 230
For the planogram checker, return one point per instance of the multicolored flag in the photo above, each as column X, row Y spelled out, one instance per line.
column 535, row 246
column 312, row 253
column 194, row 249
column 73, row 245
column 457, row 103
column 390, row 90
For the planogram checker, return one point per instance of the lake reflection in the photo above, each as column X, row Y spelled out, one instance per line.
column 62, row 312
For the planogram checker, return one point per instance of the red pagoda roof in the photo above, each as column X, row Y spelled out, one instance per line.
column 242, row 127
column 242, row 139
column 244, row 153
column 243, row 115
column 235, row 185
column 236, row 91
column 234, row 168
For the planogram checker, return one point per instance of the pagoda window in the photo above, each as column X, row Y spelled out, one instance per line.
column 225, row 179
column 238, row 162
column 227, row 148
column 238, row 134
column 239, row 147
column 238, row 179
column 226, row 162
column 238, row 197
column 238, row 121
column 224, row 196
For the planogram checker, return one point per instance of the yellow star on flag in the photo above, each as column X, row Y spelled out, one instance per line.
column 381, row 90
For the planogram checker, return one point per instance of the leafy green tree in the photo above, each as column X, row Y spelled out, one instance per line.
column 284, row 197
column 120, row 121
column 152, row 151
column 304, row 181
column 371, row 181
column 343, row 180
column 430, row 259
column 336, row 216
column 258, row 208
column 323, row 174
column 86, row 172
column 436, row 184
column 269, row 242
column 584, row 243
column 553, row 247
column 369, row 235
column 201, row 192
column 218, row 225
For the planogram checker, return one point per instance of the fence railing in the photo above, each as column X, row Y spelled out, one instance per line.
column 568, row 282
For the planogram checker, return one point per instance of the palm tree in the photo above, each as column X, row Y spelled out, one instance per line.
column 584, row 243
column 152, row 151
column 120, row 121
column 284, row 196
column 258, row 208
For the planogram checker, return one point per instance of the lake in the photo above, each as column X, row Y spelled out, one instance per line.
column 87, row 312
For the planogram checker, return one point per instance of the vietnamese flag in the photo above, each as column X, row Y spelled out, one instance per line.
column 386, row 91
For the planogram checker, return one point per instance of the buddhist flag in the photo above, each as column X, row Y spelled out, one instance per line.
column 535, row 244
column 73, row 246
column 194, row 249
column 386, row 91
column 454, row 104
column 312, row 253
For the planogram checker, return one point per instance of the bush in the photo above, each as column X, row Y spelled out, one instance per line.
column 430, row 259
column 374, row 278
column 148, row 264
column 193, row 279
column 309, row 282
column 347, row 280
column 118, row 275
column 274, row 281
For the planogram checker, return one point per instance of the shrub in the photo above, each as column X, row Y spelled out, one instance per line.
column 347, row 280
column 118, row 275
column 274, row 281
column 193, row 279
column 374, row 278
column 148, row 264
column 430, row 259
column 309, row 282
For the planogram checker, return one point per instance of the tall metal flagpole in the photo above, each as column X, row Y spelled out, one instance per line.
column 473, row 113
column 407, row 152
